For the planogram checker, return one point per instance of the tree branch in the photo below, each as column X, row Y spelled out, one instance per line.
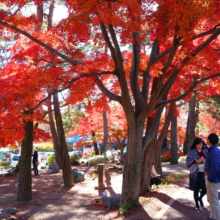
column 146, row 74
column 117, row 48
column 138, row 96
column 109, row 44
column 51, row 49
column 187, row 93
column 109, row 94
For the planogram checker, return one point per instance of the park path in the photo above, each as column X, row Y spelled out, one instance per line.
column 51, row 201
column 182, row 206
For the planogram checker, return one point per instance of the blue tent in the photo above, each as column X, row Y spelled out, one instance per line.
column 72, row 139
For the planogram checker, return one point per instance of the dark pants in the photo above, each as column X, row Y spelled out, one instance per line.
column 35, row 169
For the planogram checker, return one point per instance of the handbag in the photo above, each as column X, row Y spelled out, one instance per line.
column 37, row 163
column 201, row 167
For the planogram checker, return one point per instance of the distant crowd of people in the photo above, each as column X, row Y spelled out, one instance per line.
column 204, row 163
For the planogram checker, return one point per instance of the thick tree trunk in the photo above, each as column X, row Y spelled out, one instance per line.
column 191, row 125
column 157, row 163
column 67, row 172
column 105, row 125
column 174, row 147
column 24, row 180
column 95, row 143
column 146, row 167
column 56, row 145
column 132, row 167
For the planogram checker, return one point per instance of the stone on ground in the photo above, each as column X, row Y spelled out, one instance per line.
column 78, row 175
column 54, row 167
column 155, row 181
column 4, row 214
column 113, row 201
column 11, row 210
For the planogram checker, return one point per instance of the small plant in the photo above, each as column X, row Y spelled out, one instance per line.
column 144, row 200
column 43, row 167
column 126, row 208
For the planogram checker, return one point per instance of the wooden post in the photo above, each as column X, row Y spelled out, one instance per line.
column 101, row 176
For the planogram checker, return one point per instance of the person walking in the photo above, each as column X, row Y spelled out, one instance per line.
column 35, row 161
column 212, row 176
column 195, row 160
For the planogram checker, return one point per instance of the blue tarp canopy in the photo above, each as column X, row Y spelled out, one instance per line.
column 72, row 139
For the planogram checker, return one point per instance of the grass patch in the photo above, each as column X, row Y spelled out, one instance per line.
column 173, row 177
column 126, row 208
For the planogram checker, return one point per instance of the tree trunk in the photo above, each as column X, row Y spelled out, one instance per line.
column 67, row 172
column 24, row 180
column 56, row 145
column 191, row 125
column 121, row 145
column 174, row 147
column 146, row 167
column 132, row 167
column 105, row 125
column 157, row 163
column 95, row 143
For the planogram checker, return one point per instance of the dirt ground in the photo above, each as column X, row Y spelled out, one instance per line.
column 53, row 201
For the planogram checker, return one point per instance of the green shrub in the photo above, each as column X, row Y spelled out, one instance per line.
column 98, row 159
column 92, row 154
column 182, row 159
column 74, row 159
column 45, row 146
column 51, row 159
column 6, row 165
column 85, row 155
column 70, row 146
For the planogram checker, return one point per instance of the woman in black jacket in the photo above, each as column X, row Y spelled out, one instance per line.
column 35, row 159
column 196, row 162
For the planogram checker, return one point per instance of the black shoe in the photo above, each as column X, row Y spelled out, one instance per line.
column 197, row 208
column 201, row 202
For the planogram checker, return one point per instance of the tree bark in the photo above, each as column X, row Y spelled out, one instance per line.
column 132, row 167
column 157, row 163
column 146, row 167
column 105, row 125
column 24, row 180
column 174, row 147
column 56, row 145
column 67, row 172
column 95, row 143
column 191, row 125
